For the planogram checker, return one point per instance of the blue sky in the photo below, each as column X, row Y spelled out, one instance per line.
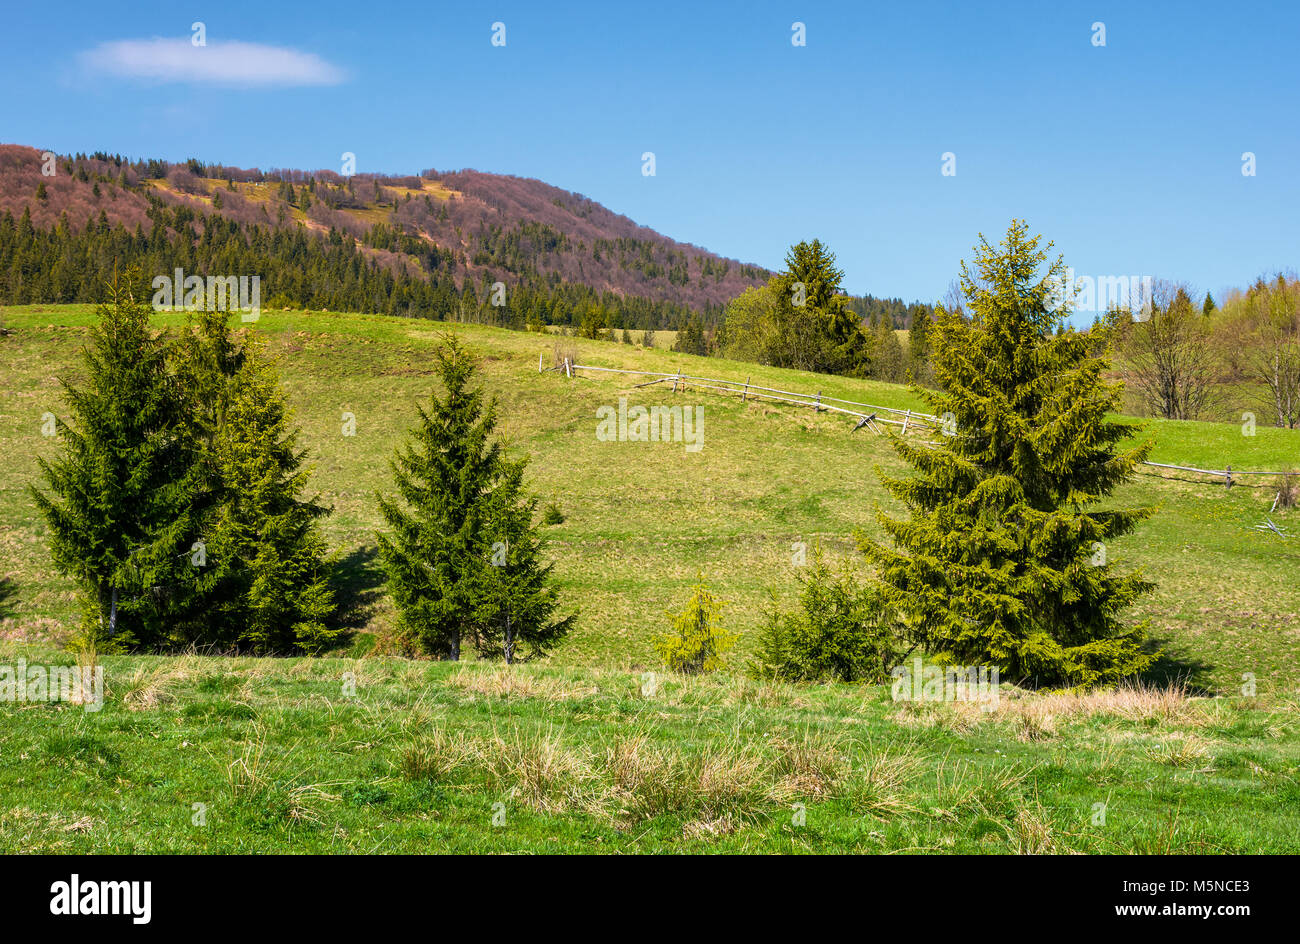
column 1129, row 156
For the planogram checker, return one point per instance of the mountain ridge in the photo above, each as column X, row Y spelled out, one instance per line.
column 467, row 224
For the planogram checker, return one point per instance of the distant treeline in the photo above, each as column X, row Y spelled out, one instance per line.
column 298, row 269
column 802, row 319
column 1184, row 361
column 895, row 312
column 399, row 275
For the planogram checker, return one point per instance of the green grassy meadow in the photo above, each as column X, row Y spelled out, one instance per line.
column 199, row 754
column 587, row 752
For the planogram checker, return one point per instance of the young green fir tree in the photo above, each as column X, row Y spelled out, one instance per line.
column 841, row 630
column 118, row 504
column 462, row 558
column 697, row 643
column 264, row 581
column 1003, row 557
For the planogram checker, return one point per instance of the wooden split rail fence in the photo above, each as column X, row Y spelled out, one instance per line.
column 868, row 414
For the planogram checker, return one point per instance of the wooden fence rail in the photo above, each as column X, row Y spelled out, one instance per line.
column 912, row 419
column 750, row 390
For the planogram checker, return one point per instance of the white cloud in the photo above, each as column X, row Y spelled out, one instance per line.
column 217, row 63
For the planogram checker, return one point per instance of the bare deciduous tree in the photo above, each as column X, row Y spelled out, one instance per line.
column 1264, row 347
column 954, row 299
column 1167, row 358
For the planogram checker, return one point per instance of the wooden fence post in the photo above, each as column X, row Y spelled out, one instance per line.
column 567, row 372
column 744, row 394
column 1227, row 474
column 906, row 417
column 539, row 362
column 817, row 407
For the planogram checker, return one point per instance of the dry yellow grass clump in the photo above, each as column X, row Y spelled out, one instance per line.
column 1035, row 716
column 258, row 778
column 152, row 686
column 632, row 778
column 509, row 682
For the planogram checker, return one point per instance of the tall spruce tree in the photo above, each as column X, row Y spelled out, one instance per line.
column 175, row 503
column 118, row 506
column 1003, row 557
column 463, row 557
column 812, row 326
column 516, row 612
column 264, row 584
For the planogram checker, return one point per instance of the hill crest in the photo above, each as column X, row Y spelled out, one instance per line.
column 464, row 224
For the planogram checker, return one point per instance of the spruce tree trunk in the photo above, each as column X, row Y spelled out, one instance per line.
column 112, row 616
column 510, row 642
column 455, row 645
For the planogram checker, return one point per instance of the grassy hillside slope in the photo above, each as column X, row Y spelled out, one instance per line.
column 596, row 750
column 643, row 519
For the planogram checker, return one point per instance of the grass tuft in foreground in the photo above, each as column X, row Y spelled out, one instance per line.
column 274, row 755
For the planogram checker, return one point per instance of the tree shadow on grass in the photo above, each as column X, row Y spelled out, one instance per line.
column 8, row 594
column 1179, row 669
column 359, row 581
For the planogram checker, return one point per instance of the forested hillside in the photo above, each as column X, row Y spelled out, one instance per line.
column 425, row 246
